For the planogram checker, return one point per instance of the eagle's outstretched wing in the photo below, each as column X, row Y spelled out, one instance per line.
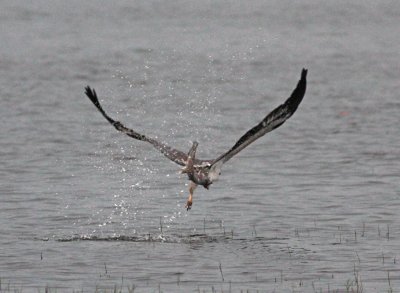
column 174, row 155
column 273, row 120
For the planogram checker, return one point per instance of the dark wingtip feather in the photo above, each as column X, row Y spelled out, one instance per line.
column 91, row 93
column 304, row 73
column 297, row 95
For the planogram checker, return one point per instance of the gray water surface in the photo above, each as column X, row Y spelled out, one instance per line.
column 312, row 206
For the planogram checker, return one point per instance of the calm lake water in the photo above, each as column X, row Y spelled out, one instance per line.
column 312, row 206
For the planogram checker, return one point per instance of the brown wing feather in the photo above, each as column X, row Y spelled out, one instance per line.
column 272, row 121
column 174, row 155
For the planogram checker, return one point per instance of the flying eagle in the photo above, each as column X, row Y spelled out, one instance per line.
column 205, row 172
